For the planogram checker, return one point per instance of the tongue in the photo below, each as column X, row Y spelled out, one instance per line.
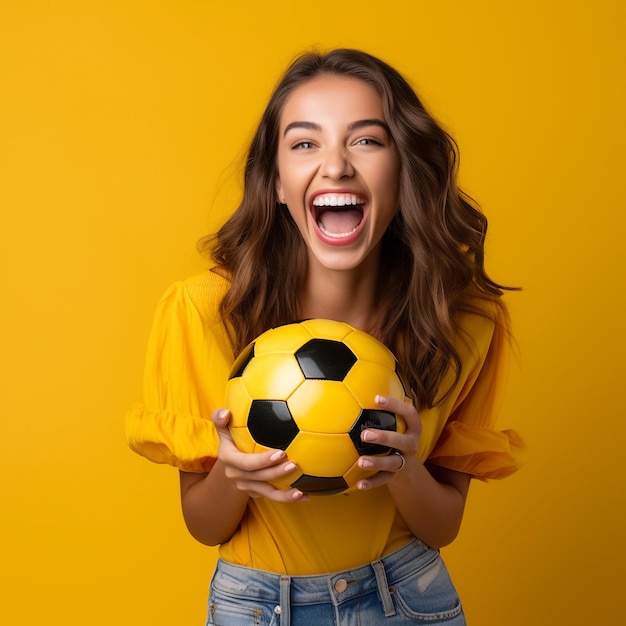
column 340, row 222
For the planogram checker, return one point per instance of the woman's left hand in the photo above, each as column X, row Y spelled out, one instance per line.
column 405, row 444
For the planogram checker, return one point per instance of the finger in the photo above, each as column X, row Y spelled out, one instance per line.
column 266, row 490
column 390, row 463
column 388, row 438
column 404, row 410
column 395, row 405
column 250, row 462
column 262, row 474
column 377, row 480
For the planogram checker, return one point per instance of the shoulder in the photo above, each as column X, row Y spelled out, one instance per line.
column 479, row 323
column 201, row 292
column 188, row 316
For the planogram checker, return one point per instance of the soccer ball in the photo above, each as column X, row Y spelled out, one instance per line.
column 308, row 388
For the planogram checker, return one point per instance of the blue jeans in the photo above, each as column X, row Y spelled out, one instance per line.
column 409, row 586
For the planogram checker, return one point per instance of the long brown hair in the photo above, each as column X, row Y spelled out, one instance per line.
column 433, row 250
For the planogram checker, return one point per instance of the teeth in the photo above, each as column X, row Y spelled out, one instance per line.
column 333, row 199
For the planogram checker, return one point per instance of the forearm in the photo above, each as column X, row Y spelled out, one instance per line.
column 212, row 505
column 431, row 505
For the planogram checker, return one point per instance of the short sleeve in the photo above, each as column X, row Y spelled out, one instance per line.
column 186, row 369
column 470, row 441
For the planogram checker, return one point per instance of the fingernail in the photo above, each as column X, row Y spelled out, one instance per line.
column 289, row 467
column 381, row 400
column 363, row 485
column 279, row 454
column 368, row 435
column 223, row 414
column 365, row 463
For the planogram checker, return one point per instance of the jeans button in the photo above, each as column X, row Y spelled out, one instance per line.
column 341, row 585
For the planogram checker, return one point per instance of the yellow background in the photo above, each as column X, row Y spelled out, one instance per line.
column 122, row 125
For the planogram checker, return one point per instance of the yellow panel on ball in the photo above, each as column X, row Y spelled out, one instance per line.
column 327, row 329
column 287, row 338
column 368, row 348
column 244, row 440
column 321, row 454
column 238, row 402
column 272, row 376
column 366, row 380
column 325, row 406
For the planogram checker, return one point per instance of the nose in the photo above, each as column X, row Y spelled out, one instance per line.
column 336, row 164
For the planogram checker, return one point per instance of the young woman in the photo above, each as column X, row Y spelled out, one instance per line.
column 350, row 212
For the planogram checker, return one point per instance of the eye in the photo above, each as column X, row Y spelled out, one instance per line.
column 368, row 141
column 302, row 145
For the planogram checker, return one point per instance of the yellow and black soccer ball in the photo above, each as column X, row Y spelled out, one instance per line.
column 308, row 388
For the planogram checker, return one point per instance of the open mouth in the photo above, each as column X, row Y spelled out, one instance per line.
column 338, row 215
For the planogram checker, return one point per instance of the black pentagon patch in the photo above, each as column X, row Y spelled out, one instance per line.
column 241, row 362
column 270, row 423
column 372, row 418
column 325, row 359
column 319, row 485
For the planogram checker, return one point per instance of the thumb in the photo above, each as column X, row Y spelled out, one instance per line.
column 220, row 418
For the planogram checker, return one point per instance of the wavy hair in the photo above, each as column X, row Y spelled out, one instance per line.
column 433, row 250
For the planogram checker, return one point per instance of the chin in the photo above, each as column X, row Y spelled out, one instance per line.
column 340, row 261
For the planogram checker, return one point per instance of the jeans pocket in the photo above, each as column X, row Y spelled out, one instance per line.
column 429, row 596
column 240, row 612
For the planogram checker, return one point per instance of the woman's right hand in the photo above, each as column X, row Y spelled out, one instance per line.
column 251, row 473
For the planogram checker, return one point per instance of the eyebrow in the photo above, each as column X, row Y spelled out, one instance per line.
column 352, row 126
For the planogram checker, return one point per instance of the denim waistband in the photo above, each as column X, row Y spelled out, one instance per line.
column 335, row 588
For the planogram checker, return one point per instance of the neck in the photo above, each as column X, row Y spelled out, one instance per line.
column 344, row 296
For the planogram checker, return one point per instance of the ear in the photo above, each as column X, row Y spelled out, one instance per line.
column 279, row 192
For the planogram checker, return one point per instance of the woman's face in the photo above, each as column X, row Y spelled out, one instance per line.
column 338, row 170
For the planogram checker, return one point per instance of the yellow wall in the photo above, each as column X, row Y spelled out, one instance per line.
column 120, row 123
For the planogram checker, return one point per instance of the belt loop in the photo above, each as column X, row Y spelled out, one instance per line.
column 383, row 588
column 285, row 601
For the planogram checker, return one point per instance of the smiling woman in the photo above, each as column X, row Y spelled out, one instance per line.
column 350, row 212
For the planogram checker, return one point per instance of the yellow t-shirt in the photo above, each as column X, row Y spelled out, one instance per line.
column 188, row 362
